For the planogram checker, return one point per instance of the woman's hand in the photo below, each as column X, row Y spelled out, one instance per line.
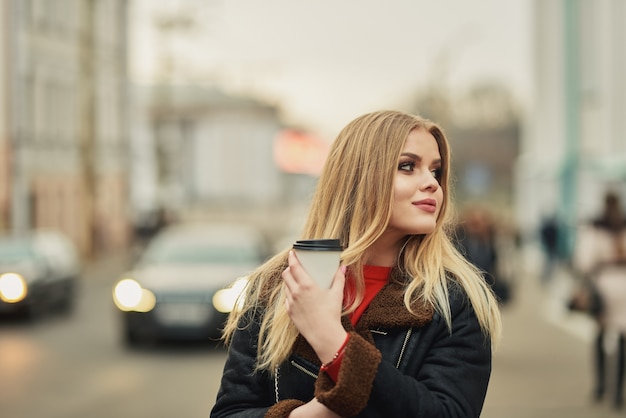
column 313, row 409
column 315, row 311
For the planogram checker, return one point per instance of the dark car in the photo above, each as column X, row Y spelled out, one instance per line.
column 39, row 273
column 187, row 281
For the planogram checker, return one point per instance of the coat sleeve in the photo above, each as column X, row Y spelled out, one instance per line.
column 245, row 392
column 450, row 382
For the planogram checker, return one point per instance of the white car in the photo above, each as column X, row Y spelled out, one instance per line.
column 39, row 273
column 187, row 281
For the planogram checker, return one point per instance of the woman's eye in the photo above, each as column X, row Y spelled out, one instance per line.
column 408, row 166
column 436, row 173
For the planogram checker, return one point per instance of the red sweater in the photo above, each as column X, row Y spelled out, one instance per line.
column 375, row 278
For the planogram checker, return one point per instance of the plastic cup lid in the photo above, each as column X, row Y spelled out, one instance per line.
column 318, row 245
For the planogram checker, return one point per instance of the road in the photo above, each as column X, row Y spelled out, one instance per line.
column 76, row 366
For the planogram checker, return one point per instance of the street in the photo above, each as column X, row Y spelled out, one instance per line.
column 76, row 366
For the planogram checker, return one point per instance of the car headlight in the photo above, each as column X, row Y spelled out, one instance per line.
column 13, row 287
column 128, row 295
column 226, row 300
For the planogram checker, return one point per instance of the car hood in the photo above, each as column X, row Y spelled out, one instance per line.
column 28, row 270
column 185, row 277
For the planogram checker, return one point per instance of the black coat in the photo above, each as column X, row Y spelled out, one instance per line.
column 396, row 364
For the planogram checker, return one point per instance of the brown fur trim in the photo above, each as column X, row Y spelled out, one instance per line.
column 282, row 409
column 387, row 310
column 358, row 369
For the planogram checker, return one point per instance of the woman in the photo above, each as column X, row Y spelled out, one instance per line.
column 601, row 257
column 408, row 325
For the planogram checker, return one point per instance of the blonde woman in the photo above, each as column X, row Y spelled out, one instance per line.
column 407, row 327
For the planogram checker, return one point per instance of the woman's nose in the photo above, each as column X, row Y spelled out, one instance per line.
column 429, row 182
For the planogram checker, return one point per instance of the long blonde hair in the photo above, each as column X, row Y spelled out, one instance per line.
column 353, row 202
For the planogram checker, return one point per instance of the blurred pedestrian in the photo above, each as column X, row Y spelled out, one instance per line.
column 407, row 326
column 601, row 258
column 549, row 233
column 476, row 240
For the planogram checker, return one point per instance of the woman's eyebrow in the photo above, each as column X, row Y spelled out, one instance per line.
column 411, row 155
column 419, row 158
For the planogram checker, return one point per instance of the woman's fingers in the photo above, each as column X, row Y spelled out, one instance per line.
column 296, row 268
column 295, row 280
column 288, row 277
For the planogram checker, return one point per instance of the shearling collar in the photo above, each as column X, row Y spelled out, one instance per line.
column 386, row 310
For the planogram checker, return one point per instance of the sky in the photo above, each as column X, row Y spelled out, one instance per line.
column 326, row 62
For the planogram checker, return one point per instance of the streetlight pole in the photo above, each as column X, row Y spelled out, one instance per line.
column 569, row 170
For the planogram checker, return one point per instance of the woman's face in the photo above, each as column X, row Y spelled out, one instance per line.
column 417, row 195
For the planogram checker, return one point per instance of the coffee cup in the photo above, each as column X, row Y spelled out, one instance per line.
column 320, row 258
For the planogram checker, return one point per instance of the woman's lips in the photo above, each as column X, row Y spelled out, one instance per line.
column 427, row 205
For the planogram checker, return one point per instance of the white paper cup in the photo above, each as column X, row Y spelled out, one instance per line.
column 320, row 258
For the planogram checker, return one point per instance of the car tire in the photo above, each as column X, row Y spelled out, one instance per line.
column 134, row 339
column 36, row 307
column 67, row 303
column 34, row 311
column 131, row 339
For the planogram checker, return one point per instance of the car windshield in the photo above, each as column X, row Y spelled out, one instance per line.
column 15, row 252
column 185, row 253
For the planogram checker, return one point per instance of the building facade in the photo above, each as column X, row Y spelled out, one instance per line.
column 200, row 152
column 5, row 167
column 64, row 127
column 574, row 145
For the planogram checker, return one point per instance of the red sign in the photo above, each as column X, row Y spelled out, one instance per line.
column 300, row 152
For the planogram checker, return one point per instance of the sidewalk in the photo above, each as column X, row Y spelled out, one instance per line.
column 543, row 367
